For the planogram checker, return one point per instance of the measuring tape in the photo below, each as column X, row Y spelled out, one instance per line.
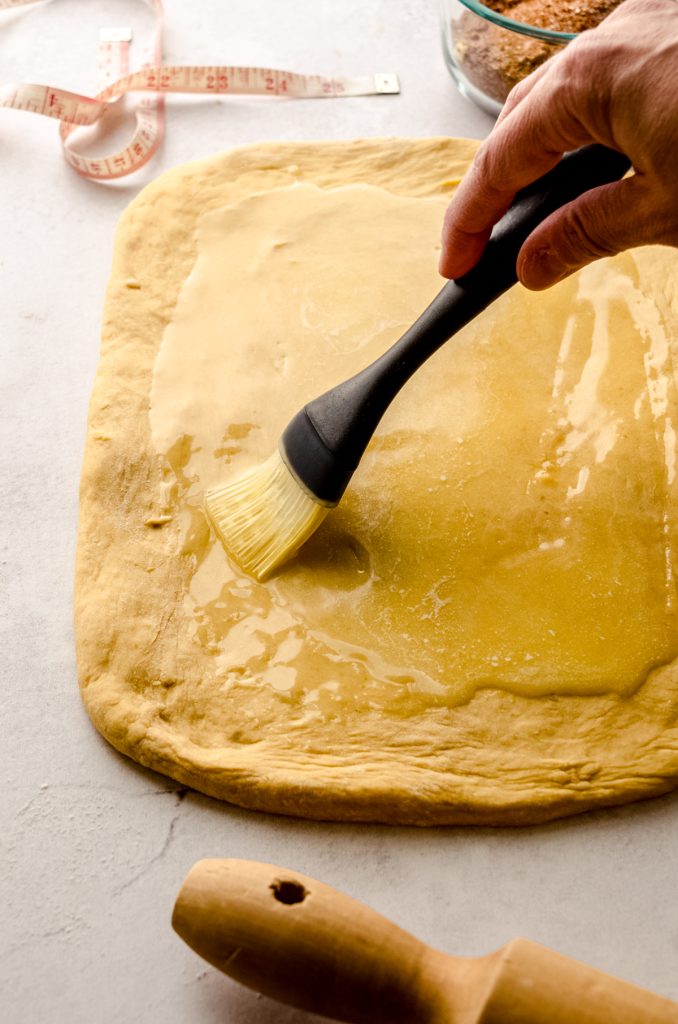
column 74, row 110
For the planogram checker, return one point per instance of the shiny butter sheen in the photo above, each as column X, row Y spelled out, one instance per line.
column 512, row 524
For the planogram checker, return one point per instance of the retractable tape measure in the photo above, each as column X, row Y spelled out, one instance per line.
column 155, row 79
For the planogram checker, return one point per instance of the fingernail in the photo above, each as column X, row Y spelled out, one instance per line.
column 540, row 269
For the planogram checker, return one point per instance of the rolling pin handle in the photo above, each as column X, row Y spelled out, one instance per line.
column 301, row 942
column 307, row 945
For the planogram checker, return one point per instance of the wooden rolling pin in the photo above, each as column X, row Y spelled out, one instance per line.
column 305, row 944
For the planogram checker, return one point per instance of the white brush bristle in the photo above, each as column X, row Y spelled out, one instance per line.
column 263, row 517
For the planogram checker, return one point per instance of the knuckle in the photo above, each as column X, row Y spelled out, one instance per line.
column 483, row 162
column 583, row 236
column 585, row 80
column 516, row 94
column 490, row 171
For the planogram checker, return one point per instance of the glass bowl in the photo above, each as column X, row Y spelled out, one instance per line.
column 488, row 53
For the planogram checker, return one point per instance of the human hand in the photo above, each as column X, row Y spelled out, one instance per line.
column 615, row 84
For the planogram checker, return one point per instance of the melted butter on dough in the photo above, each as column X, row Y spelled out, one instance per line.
column 286, row 698
column 512, row 523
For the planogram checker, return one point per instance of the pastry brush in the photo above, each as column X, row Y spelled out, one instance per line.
column 265, row 516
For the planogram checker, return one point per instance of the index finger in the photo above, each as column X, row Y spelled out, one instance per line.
column 526, row 144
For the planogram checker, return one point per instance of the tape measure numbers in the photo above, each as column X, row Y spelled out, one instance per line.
column 155, row 79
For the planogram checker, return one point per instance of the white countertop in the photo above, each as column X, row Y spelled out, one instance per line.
column 94, row 848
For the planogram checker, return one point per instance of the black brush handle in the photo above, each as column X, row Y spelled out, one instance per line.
column 324, row 443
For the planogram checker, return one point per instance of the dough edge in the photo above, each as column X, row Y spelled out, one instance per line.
column 569, row 754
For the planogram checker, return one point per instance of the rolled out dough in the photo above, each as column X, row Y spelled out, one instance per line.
column 485, row 630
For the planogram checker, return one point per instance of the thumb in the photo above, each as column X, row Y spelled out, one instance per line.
column 599, row 223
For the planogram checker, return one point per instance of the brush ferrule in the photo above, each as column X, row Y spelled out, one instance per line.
column 313, row 465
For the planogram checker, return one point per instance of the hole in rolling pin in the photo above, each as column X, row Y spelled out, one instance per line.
column 288, row 892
